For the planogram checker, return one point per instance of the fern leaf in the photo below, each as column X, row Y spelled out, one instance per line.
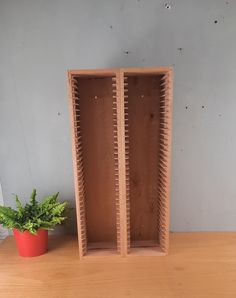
column 8, row 217
column 19, row 207
column 33, row 201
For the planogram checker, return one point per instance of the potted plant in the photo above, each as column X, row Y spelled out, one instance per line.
column 31, row 223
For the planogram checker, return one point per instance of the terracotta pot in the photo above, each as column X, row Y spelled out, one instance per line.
column 30, row 245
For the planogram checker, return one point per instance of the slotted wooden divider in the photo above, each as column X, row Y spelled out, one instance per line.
column 121, row 143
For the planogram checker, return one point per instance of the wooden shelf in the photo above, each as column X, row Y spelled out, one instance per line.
column 198, row 265
column 121, row 140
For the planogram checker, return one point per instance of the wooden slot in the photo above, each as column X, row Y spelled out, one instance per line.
column 96, row 147
column 144, row 112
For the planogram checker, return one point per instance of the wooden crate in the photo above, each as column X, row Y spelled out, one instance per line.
column 121, row 140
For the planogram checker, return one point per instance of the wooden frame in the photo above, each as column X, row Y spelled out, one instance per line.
column 121, row 145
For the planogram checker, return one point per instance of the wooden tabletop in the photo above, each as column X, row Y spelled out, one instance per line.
column 199, row 265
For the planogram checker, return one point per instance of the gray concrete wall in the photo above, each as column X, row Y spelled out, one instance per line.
column 41, row 39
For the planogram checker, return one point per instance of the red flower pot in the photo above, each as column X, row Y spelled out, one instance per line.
column 30, row 245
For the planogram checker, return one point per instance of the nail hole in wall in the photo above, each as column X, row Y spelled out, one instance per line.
column 167, row 6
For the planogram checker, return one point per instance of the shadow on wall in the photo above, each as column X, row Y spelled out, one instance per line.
column 69, row 226
column 3, row 232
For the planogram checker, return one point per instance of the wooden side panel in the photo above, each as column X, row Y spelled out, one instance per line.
column 165, row 159
column 126, row 162
column 123, row 192
column 74, row 105
column 116, row 119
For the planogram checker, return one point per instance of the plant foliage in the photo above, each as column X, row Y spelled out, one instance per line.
column 34, row 215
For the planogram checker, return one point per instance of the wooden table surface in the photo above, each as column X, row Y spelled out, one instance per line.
column 199, row 265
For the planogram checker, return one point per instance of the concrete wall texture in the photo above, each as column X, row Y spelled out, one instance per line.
column 41, row 39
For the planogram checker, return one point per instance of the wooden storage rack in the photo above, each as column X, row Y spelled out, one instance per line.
column 121, row 143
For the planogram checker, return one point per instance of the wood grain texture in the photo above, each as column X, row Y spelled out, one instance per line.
column 143, row 120
column 121, row 162
column 200, row 265
column 111, row 71
column 72, row 100
column 98, row 158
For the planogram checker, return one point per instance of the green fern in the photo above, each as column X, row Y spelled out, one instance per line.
column 34, row 215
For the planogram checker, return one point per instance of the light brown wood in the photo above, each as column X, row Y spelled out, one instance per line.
column 78, row 198
column 121, row 140
column 143, row 110
column 121, row 163
column 111, row 71
column 92, row 72
column 199, row 265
